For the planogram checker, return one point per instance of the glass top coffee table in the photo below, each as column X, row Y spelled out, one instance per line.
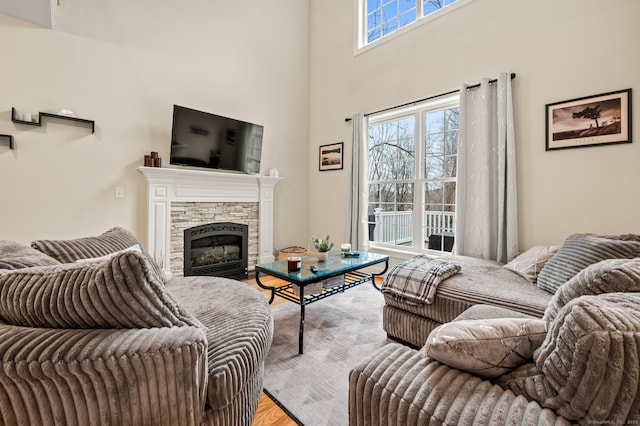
column 337, row 274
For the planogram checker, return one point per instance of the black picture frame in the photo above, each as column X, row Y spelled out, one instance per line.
column 331, row 156
column 570, row 124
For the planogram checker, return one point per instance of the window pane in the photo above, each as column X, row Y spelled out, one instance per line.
column 450, row 194
column 388, row 193
column 435, row 122
column 373, row 35
column 392, row 150
column 407, row 148
column 450, row 164
column 390, row 10
column 451, row 118
column 374, row 193
column 372, row 5
column 431, row 6
column 407, row 18
column 387, row 171
column 435, row 144
column 389, row 26
column 407, row 5
column 434, row 168
column 406, row 170
column 406, row 126
column 433, row 193
column 373, row 19
column 405, row 193
column 451, row 147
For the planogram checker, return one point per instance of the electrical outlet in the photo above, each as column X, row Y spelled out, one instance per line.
column 119, row 192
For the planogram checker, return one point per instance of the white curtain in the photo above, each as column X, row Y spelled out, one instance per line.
column 359, row 228
column 486, row 200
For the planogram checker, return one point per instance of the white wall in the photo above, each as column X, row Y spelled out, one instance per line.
column 124, row 65
column 559, row 50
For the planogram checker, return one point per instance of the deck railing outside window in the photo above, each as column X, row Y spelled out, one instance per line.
column 397, row 227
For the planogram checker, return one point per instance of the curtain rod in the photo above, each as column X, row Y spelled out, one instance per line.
column 451, row 92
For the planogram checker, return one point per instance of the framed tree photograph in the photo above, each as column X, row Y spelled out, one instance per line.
column 331, row 156
column 593, row 120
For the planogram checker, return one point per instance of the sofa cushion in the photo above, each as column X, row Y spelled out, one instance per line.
column 608, row 276
column 590, row 360
column 122, row 291
column 581, row 250
column 109, row 242
column 135, row 248
column 487, row 347
column 67, row 251
column 530, row 263
column 16, row 256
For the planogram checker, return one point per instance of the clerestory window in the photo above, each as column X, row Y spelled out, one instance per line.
column 378, row 19
column 412, row 176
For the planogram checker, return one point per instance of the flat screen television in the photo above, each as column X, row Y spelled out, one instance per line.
column 202, row 139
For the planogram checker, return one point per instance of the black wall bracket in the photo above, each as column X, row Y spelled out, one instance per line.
column 38, row 122
column 10, row 137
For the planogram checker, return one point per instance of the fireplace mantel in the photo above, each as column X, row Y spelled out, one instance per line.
column 167, row 185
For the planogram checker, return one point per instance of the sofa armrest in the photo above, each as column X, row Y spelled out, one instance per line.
column 397, row 385
column 105, row 376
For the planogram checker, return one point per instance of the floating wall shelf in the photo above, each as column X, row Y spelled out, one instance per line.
column 10, row 140
column 41, row 115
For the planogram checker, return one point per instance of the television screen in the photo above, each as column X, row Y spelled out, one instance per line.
column 202, row 139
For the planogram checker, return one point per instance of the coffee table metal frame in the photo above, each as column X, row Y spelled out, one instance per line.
column 335, row 265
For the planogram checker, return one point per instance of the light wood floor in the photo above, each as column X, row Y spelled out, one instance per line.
column 269, row 414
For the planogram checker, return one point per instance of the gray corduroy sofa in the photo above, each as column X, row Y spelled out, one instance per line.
column 482, row 281
column 585, row 369
column 479, row 282
column 91, row 332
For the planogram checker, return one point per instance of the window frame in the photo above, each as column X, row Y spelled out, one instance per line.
column 419, row 110
column 360, row 44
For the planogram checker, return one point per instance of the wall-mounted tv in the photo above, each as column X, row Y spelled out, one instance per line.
column 202, row 139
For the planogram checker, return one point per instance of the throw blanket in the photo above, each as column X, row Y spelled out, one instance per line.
column 415, row 281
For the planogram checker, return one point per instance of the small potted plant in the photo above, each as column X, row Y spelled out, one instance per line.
column 323, row 246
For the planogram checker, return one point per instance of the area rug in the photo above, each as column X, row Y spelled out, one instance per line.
column 339, row 332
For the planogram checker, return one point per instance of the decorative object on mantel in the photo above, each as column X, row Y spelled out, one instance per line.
column 323, row 246
column 66, row 112
column 331, row 156
column 152, row 160
column 36, row 120
column 602, row 119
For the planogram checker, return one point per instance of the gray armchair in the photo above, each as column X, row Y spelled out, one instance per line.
column 108, row 341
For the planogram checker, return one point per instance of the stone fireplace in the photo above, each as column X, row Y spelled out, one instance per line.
column 211, row 217
column 179, row 199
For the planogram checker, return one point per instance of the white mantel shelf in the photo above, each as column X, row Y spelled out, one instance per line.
column 167, row 185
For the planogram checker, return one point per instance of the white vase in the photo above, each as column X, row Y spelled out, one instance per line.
column 322, row 256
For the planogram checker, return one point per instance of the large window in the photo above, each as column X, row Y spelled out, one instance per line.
column 412, row 176
column 380, row 18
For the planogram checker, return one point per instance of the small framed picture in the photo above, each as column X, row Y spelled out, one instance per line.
column 331, row 156
column 593, row 120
